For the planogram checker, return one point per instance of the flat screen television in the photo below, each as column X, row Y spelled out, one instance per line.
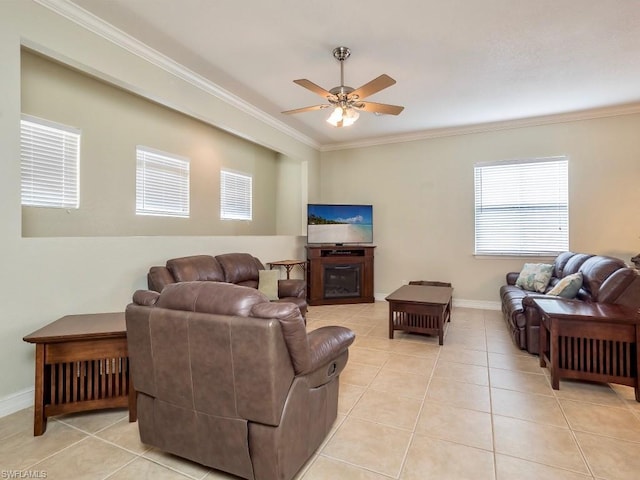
column 339, row 224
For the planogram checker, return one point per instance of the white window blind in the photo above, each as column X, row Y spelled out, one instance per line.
column 522, row 207
column 162, row 183
column 235, row 196
column 49, row 163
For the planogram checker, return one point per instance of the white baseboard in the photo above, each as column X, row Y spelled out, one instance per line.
column 458, row 302
column 16, row 401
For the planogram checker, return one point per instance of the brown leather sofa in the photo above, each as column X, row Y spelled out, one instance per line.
column 605, row 280
column 230, row 380
column 237, row 268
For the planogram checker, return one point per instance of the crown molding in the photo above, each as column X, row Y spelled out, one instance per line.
column 98, row 26
column 612, row 111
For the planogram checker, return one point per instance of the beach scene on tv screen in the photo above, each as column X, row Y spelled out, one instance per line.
column 340, row 224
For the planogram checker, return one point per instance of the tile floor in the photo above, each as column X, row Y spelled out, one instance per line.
column 476, row 408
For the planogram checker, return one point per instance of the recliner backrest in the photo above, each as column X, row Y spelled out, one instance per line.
column 195, row 268
column 239, row 268
column 596, row 270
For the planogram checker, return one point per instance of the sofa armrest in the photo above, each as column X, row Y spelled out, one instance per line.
column 292, row 288
column 512, row 277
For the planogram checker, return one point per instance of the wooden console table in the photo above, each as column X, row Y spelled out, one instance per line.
column 81, row 364
column 589, row 341
column 420, row 309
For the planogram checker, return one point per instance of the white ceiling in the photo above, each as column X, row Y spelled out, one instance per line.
column 456, row 62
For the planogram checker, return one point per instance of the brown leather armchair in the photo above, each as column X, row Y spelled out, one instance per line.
column 230, row 380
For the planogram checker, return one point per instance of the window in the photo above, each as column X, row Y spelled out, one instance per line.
column 49, row 163
column 521, row 207
column 235, row 195
column 162, row 183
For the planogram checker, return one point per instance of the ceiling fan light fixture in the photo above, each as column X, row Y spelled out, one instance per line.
column 343, row 117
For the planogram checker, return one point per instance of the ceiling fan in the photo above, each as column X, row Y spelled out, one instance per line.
column 346, row 101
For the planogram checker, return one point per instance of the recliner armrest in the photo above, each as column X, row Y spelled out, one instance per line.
column 292, row 288
column 328, row 343
column 512, row 277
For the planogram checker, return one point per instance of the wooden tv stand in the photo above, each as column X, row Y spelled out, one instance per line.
column 338, row 274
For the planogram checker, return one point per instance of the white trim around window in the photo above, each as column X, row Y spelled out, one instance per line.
column 49, row 163
column 162, row 183
column 236, row 195
column 522, row 207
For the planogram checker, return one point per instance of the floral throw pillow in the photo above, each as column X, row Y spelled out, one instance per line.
column 567, row 287
column 535, row 277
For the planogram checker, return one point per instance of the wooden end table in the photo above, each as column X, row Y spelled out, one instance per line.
column 288, row 265
column 420, row 309
column 81, row 364
column 589, row 341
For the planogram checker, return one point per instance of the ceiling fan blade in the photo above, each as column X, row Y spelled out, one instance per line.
column 374, row 86
column 307, row 109
column 379, row 108
column 309, row 85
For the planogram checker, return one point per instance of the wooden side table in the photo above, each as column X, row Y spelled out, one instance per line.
column 288, row 265
column 81, row 364
column 589, row 341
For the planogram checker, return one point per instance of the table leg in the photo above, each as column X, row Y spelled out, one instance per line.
column 637, row 379
column 288, row 269
column 39, row 419
column 390, row 321
column 543, row 342
column 554, row 354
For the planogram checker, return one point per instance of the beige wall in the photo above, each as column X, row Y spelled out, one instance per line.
column 45, row 278
column 113, row 123
column 422, row 193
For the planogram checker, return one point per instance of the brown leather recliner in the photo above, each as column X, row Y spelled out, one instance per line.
column 230, row 380
column 237, row 268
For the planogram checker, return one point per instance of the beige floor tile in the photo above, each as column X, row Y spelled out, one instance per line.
column 369, row 445
column 510, row 468
column 411, row 364
column 324, row 468
column 358, row 329
column 592, row 392
column 610, row 458
column 530, row 363
column 505, row 346
column 125, row 434
column 465, row 341
column 88, row 459
column 462, row 372
column 339, row 420
column 358, row 374
column 94, row 421
column 409, row 384
column 143, row 469
column 379, row 332
column 366, row 356
column 537, row 442
column 420, row 348
column 179, row 464
column 463, row 355
column 23, row 450
column 439, row 459
column 362, row 320
column 459, row 425
column 614, row 422
column 527, row 406
column 459, row 394
column 387, row 408
column 18, row 422
column 348, row 395
column 520, row 381
column 374, row 343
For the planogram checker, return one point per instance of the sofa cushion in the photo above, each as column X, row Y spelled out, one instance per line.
column 238, row 267
column 568, row 286
column 596, row 270
column 195, row 268
column 534, row 277
column 268, row 283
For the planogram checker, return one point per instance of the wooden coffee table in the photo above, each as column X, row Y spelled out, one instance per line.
column 81, row 364
column 420, row 309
